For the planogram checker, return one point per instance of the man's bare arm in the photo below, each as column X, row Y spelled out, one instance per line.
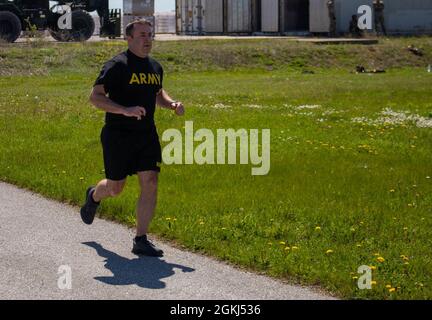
column 99, row 99
column 165, row 101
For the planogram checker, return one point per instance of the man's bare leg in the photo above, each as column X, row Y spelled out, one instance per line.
column 108, row 188
column 148, row 181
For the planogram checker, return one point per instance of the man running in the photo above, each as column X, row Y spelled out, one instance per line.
column 128, row 89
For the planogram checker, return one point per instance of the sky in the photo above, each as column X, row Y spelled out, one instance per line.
column 160, row 5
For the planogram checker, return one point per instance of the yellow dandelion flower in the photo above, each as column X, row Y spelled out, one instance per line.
column 287, row 248
column 406, row 263
column 282, row 243
column 388, row 286
column 380, row 259
column 373, row 283
column 355, row 278
column 392, row 290
column 81, row 178
column 392, row 190
column 372, row 267
column 318, row 228
column 376, row 254
column 405, row 228
column 202, row 222
column 329, row 251
column 167, row 219
column 358, row 245
column 294, row 248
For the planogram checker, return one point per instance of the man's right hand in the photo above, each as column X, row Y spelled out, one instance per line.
column 136, row 112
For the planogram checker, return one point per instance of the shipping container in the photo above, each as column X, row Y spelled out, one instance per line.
column 319, row 20
column 213, row 16
column 190, row 16
column 294, row 16
column 184, row 9
column 138, row 7
column 270, row 15
column 238, row 16
column 414, row 16
column 197, row 16
column 165, row 22
column 400, row 16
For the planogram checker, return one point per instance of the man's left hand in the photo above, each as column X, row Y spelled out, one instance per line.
column 178, row 108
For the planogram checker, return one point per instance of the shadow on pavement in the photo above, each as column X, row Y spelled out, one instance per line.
column 146, row 272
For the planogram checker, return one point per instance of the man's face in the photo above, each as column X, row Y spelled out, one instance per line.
column 141, row 40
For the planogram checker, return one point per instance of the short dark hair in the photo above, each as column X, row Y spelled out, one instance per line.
column 130, row 26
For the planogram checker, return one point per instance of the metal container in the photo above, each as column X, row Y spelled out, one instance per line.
column 197, row 16
column 294, row 16
column 139, row 7
column 408, row 16
column 165, row 22
column 319, row 16
column 270, row 16
column 213, row 13
column 184, row 10
column 400, row 16
column 190, row 16
column 238, row 15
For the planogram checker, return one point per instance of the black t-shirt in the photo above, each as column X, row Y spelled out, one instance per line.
column 131, row 81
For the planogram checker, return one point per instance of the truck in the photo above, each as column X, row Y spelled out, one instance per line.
column 21, row 15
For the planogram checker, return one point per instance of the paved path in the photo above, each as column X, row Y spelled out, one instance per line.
column 38, row 236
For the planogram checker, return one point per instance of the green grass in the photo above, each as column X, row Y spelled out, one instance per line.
column 211, row 55
column 364, row 185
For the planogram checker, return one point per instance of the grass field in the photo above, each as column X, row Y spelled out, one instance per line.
column 351, row 177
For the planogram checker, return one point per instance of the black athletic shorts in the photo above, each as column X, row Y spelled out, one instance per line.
column 127, row 152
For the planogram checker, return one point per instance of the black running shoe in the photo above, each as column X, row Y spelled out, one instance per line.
column 142, row 246
column 88, row 210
